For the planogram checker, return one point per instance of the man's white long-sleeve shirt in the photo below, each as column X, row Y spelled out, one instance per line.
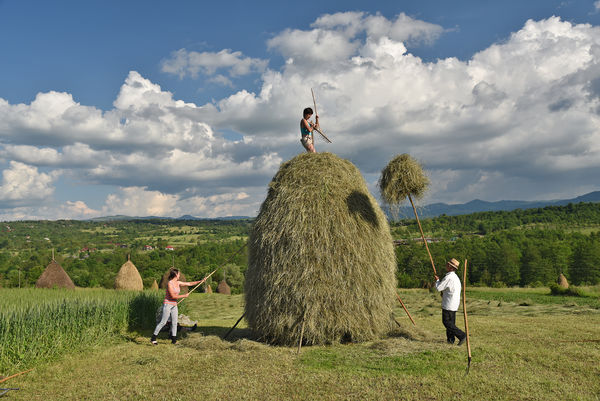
column 450, row 285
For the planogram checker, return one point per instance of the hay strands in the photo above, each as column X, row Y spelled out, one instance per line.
column 15, row 375
column 317, row 114
column 214, row 271
column 466, row 319
column 405, row 310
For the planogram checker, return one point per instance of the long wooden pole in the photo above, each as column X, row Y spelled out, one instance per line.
column 213, row 272
column 422, row 235
column 317, row 114
column 301, row 332
column 234, row 326
column 466, row 320
column 15, row 375
column 405, row 310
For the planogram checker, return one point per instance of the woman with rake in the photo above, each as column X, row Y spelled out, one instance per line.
column 306, row 130
column 170, row 304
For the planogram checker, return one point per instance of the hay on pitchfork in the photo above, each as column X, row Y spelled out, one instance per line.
column 128, row 277
column 320, row 251
column 403, row 176
column 54, row 276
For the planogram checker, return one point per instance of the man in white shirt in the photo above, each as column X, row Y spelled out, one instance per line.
column 450, row 287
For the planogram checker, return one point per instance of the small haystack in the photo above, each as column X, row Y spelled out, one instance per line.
column 562, row 281
column 223, row 288
column 321, row 257
column 128, row 277
column 54, row 276
column 154, row 286
column 403, row 176
column 165, row 279
column 208, row 289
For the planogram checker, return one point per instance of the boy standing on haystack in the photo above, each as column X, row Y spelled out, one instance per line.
column 450, row 287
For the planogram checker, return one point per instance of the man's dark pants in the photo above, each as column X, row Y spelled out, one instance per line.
column 449, row 320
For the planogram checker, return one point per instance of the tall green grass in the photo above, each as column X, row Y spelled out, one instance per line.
column 37, row 325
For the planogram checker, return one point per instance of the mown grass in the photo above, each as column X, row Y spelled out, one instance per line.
column 535, row 296
column 544, row 351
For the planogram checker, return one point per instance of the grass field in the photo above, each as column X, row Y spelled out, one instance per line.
column 526, row 346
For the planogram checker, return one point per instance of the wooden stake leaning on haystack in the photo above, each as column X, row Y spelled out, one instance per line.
column 317, row 127
column 405, row 310
column 464, row 288
column 213, row 272
column 404, row 177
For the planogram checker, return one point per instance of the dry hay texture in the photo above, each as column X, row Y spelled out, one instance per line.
column 223, row 288
column 54, row 276
column 208, row 289
column 165, row 279
column 402, row 176
column 320, row 248
column 128, row 278
column 154, row 286
column 562, row 281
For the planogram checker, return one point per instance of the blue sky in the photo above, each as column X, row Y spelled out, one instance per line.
column 95, row 95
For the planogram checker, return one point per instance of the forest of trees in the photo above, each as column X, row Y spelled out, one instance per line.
column 518, row 248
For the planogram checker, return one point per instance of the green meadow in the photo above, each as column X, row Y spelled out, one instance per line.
column 526, row 345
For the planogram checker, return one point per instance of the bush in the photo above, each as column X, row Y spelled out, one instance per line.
column 572, row 291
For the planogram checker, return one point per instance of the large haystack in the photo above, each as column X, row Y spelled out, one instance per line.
column 165, row 279
column 54, row 276
column 128, row 278
column 223, row 288
column 562, row 281
column 320, row 250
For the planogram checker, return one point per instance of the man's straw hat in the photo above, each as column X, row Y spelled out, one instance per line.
column 454, row 263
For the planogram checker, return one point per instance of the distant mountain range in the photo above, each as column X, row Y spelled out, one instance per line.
column 185, row 217
column 477, row 205
column 432, row 210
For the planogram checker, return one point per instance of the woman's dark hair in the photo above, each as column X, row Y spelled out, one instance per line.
column 307, row 110
column 173, row 273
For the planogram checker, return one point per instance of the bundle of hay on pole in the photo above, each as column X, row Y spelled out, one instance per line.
column 223, row 288
column 401, row 178
column 128, row 277
column 321, row 260
column 562, row 281
column 165, row 279
column 54, row 276
column 154, row 286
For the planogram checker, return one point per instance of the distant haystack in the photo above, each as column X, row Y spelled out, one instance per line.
column 54, row 276
column 208, row 289
column 165, row 279
column 129, row 278
column 154, row 286
column 223, row 288
column 562, row 281
column 321, row 259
